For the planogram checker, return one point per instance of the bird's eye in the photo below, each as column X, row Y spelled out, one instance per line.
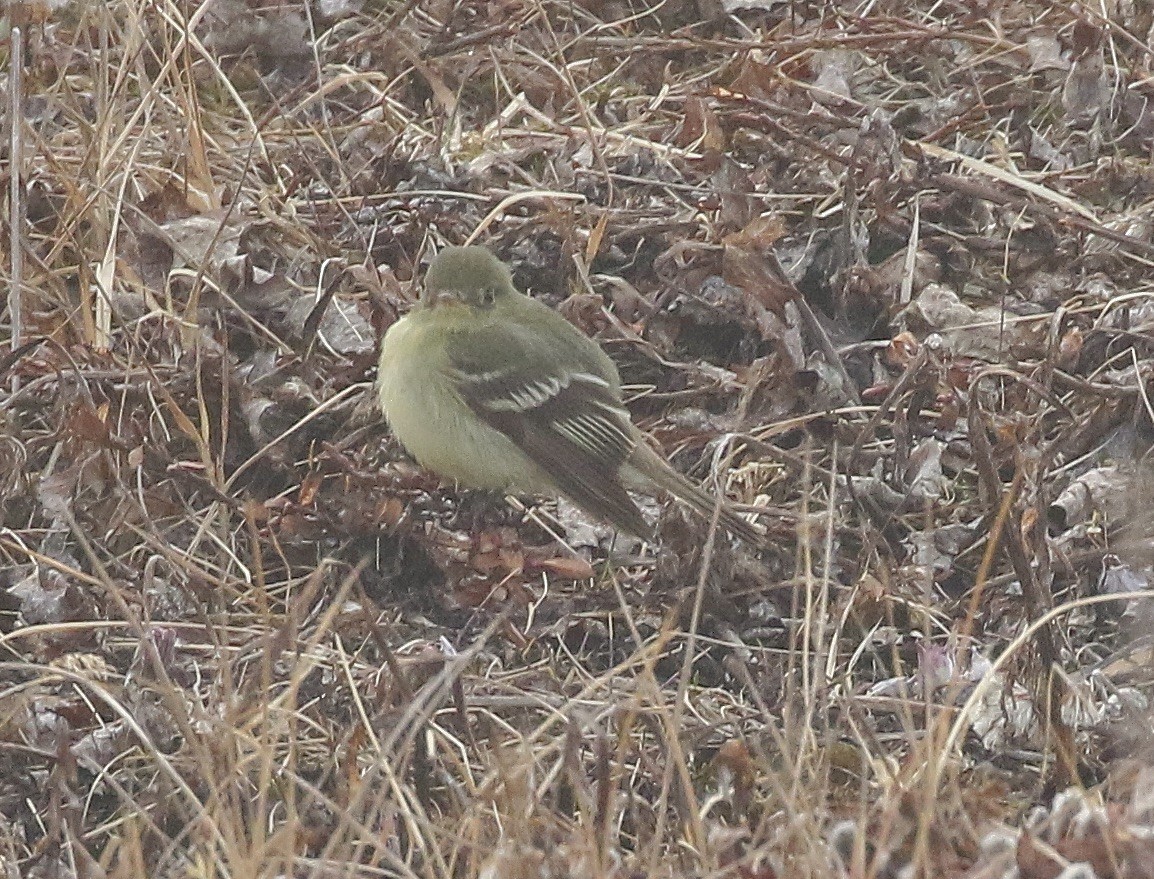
column 487, row 297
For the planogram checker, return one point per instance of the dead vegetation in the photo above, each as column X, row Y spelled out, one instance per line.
column 883, row 270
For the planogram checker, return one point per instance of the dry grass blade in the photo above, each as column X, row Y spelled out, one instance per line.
column 243, row 635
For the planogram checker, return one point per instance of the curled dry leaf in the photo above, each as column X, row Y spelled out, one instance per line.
column 565, row 567
column 901, row 350
column 342, row 329
column 700, row 127
column 750, row 264
column 924, row 479
column 1105, row 491
column 988, row 333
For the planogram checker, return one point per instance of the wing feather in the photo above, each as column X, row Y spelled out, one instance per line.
column 572, row 425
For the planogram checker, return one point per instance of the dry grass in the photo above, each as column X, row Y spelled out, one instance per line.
column 245, row 638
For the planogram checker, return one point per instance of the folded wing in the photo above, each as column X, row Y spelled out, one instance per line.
column 571, row 424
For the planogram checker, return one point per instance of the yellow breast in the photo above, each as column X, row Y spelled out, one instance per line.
column 426, row 413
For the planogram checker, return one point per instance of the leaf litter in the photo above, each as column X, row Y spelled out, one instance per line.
column 881, row 272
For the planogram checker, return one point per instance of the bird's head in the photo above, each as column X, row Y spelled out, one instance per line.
column 467, row 276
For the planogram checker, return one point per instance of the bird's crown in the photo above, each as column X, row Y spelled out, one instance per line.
column 467, row 269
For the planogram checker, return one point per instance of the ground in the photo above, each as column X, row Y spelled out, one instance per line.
column 882, row 273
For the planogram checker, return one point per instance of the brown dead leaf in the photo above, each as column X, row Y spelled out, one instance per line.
column 749, row 263
column 835, row 70
column 901, row 350
column 390, row 512
column 1105, row 491
column 201, row 241
column 756, row 76
column 1097, row 847
column 90, row 425
column 277, row 33
column 1070, row 348
column 700, row 127
column 337, row 324
column 733, row 187
column 565, row 567
column 310, row 486
column 1087, row 88
column 1045, row 52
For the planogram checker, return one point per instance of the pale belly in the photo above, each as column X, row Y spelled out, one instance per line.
column 428, row 420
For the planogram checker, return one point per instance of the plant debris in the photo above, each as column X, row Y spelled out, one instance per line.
column 880, row 273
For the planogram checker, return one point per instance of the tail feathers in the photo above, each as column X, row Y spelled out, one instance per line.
column 651, row 468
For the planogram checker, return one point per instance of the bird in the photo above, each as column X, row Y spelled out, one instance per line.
column 487, row 386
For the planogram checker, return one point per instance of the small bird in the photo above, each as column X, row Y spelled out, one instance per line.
column 496, row 390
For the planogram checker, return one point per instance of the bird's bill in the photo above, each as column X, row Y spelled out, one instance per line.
column 446, row 298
